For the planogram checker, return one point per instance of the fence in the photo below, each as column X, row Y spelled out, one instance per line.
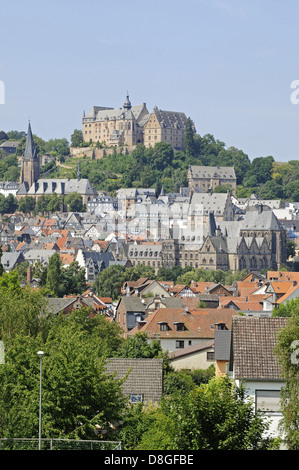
column 57, row 444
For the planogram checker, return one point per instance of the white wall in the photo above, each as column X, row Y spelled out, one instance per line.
column 275, row 417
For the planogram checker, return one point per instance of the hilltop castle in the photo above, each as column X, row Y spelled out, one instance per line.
column 130, row 125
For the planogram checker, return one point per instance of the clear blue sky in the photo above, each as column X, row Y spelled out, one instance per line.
column 228, row 64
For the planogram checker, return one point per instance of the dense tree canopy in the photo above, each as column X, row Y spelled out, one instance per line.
column 287, row 351
column 161, row 165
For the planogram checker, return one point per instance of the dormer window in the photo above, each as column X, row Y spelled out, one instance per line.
column 179, row 326
column 163, row 326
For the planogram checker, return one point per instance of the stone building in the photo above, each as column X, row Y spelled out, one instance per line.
column 115, row 127
column 254, row 242
column 165, row 126
column 130, row 125
column 206, row 178
column 30, row 163
column 146, row 254
column 32, row 185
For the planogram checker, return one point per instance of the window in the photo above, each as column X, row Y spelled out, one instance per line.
column 210, row 356
column 268, row 400
column 179, row 344
column 163, row 327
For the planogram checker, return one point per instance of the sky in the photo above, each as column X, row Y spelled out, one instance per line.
column 227, row 64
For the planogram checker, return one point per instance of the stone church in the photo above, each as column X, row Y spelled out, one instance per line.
column 32, row 185
column 255, row 242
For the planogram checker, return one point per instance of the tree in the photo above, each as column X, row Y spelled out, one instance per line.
column 189, row 142
column 3, row 136
column 261, row 168
column 76, row 138
column 1, row 265
column 58, row 146
column 78, row 395
column 236, row 158
column 291, row 248
column 20, row 309
column 109, row 281
column 161, row 156
column 42, row 203
column 8, row 205
column 55, row 203
column 271, row 190
column 213, row 416
column 137, row 346
column 27, row 205
column 74, row 202
column 287, row 351
column 73, row 280
column 53, row 280
column 140, row 270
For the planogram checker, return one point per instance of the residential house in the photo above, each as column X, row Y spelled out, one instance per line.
column 129, row 311
column 10, row 146
column 144, row 287
column 10, row 260
column 199, row 356
column 65, row 305
column 256, row 365
column 93, row 262
column 41, row 256
column 179, row 328
column 139, row 386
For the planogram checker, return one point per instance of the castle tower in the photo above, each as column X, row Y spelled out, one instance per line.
column 30, row 163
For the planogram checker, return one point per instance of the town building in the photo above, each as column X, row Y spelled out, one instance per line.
column 207, row 178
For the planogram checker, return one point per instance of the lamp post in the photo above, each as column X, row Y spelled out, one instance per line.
column 40, row 355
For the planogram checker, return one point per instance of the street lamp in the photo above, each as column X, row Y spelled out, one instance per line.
column 40, row 355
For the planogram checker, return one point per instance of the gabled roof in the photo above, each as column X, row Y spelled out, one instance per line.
column 212, row 172
column 133, row 304
column 199, row 323
column 253, row 343
column 293, row 289
column 170, row 119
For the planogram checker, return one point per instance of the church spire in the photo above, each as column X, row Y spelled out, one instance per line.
column 30, row 163
column 30, row 150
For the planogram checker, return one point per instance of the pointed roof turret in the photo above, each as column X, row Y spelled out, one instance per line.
column 127, row 103
column 30, row 150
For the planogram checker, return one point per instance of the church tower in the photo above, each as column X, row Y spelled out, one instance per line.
column 30, row 163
